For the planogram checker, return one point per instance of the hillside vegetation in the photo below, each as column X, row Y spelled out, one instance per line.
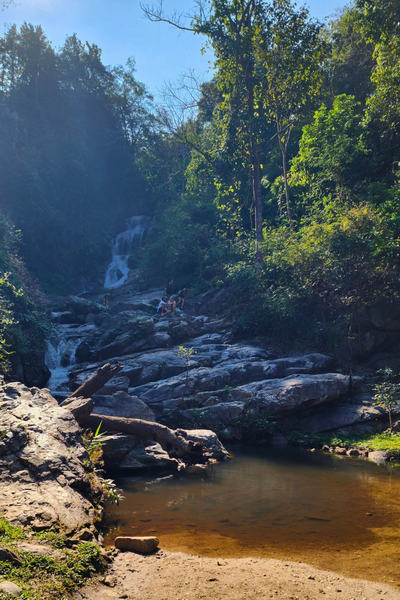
column 276, row 183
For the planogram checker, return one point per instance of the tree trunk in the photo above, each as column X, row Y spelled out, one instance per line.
column 283, row 146
column 97, row 381
column 257, row 202
column 171, row 441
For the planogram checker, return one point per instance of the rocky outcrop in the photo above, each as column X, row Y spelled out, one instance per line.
column 221, row 382
column 43, row 481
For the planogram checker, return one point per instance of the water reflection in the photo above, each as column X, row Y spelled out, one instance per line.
column 275, row 502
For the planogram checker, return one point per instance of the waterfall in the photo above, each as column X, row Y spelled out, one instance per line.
column 60, row 353
column 124, row 245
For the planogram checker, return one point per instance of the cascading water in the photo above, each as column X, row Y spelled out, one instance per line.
column 60, row 354
column 124, row 245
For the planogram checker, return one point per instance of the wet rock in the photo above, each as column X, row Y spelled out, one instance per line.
column 143, row 545
column 353, row 452
column 378, row 456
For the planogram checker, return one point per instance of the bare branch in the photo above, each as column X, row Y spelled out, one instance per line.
column 156, row 14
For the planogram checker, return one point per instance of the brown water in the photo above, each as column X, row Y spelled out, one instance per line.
column 341, row 514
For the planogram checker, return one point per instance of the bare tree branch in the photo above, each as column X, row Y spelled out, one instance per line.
column 156, row 14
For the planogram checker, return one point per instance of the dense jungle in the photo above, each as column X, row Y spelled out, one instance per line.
column 275, row 183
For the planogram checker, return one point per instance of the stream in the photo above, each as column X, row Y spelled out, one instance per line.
column 341, row 514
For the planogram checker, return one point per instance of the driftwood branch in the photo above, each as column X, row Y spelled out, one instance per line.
column 171, row 441
column 97, row 381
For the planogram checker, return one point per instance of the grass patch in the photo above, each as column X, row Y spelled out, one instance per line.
column 42, row 577
column 386, row 441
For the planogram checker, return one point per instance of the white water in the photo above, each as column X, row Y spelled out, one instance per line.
column 124, row 245
column 60, row 353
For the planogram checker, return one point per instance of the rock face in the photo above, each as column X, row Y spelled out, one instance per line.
column 220, row 383
column 42, row 478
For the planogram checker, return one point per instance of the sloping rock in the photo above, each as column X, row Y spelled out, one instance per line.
column 82, row 306
column 122, row 404
column 41, row 455
column 282, row 396
column 338, row 416
column 226, row 374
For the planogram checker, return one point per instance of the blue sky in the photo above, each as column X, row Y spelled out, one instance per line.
column 119, row 29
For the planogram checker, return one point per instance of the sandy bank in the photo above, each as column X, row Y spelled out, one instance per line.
column 176, row 576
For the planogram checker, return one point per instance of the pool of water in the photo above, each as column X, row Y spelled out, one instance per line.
column 338, row 513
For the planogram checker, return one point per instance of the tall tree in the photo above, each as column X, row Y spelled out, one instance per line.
column 292, row 61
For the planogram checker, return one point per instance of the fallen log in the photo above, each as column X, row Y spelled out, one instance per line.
column 171, row 441
column 97, row 381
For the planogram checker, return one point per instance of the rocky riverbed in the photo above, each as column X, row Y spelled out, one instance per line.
column 216, row 383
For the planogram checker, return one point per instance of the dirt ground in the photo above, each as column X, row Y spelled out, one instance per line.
column 176, row 576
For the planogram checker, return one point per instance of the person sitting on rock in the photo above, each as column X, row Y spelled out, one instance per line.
column 182, row 297
column 162, row 308
column 171, row 305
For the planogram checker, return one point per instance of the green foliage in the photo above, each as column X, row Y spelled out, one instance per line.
column 332, row 152
column 70, row 129
column 254, row 429
column 387, row 441
column 43, row 577
column 23, row 324
column 388, row 393
column 335, row 263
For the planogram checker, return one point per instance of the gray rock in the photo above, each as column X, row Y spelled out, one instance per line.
column 122, row 404
column 338, row 416
column 210, row 440
column 220, row 415
column 41, row 474
column 378, row 456
column 81, row 408
column 282, row 396
column 82, row 306
column 143, row 545
column 39, row 550
column 120, row 383
column 11, row 588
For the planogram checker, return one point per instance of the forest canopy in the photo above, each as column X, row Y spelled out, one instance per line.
column 276, row 184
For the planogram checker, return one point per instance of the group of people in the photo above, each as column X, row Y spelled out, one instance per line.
column 168, row 304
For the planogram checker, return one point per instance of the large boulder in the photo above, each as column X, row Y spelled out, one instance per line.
column 282, row 396
column 42, row 479
column 121, row 404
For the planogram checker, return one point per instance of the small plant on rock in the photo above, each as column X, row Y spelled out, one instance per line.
column 184, row 354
